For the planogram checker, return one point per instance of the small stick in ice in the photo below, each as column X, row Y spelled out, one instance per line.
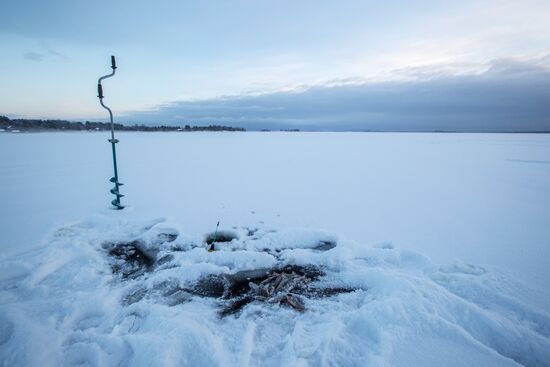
column 211, row 248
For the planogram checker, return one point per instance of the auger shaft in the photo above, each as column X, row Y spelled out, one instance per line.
column 115, row 190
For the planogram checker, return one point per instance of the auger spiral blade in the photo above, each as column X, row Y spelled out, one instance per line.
column 116, row 204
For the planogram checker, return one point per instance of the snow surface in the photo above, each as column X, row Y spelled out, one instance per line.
column 61, row 305
column 445, row 237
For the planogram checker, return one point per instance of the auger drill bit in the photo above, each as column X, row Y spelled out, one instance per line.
column 116, row 189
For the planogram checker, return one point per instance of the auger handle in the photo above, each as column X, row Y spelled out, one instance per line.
column 99, row 91
column 113, row 63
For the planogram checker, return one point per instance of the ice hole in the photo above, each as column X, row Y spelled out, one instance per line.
column 221, row 236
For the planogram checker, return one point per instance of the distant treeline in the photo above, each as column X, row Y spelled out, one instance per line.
column 55, row 125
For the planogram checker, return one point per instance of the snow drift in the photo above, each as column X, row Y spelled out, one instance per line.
column 76, row 302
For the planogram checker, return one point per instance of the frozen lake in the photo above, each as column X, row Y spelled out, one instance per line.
column 480, row 198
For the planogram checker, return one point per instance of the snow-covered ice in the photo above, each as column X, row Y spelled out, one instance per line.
column 443, row 237
column 61, row 305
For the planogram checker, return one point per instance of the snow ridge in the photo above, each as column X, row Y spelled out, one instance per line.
column 63, row 305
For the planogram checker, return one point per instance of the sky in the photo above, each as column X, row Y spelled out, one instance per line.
column 479, row 65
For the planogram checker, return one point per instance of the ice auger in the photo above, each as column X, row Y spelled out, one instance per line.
column 116, row 189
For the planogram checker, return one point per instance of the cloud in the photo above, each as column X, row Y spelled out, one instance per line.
column 509, row 95
column 57, row 55
column 34, row 56
column 48, row 54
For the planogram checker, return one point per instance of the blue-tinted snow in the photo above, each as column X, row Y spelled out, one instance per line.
column 447, row 235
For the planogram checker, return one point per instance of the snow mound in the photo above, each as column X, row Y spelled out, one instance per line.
column 105, row 292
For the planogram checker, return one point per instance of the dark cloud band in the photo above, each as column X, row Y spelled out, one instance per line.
column 509, row 96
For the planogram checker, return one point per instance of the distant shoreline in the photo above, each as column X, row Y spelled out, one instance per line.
column 32, row 125
column 8, row 125
column 46, row 131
